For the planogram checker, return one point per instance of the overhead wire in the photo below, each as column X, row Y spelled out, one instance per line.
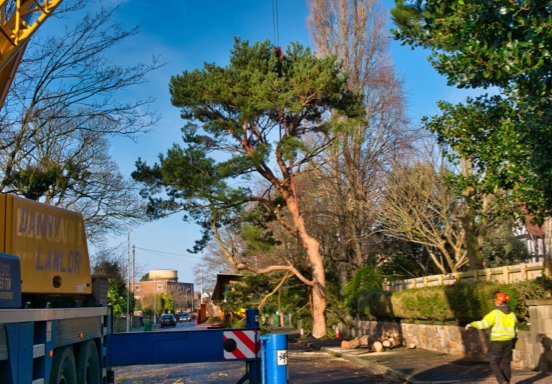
column 165, row 254
column 275, row 26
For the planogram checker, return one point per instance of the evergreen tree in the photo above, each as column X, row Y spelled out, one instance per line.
column 269, row 114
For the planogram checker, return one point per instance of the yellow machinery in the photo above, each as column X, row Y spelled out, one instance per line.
column 51, row 245
column 19, row 19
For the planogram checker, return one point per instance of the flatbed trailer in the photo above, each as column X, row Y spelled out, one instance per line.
column 53, row 345
column 77, row 345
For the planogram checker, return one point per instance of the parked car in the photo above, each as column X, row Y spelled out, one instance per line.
column 168, row 319
column 185, row 316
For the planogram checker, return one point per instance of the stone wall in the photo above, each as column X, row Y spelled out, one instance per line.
column 450, row 339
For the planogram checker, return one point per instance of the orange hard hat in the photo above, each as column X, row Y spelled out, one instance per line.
column 501, row 298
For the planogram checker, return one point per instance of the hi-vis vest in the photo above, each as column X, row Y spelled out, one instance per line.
column 504, row 325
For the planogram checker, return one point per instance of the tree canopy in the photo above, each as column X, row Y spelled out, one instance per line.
column 506, row 137
column 60, row 114
column 268, row 114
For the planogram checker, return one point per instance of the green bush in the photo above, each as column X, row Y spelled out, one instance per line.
column 459, row 302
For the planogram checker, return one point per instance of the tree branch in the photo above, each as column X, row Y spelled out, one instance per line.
column 286, row 276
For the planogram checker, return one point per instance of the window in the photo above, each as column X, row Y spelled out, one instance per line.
column 159, row 287
column 136, row 288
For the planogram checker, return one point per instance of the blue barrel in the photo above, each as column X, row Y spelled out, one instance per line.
column 252, row 318
column 275, row 359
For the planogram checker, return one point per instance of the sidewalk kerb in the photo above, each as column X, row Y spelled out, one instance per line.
column 358, row 360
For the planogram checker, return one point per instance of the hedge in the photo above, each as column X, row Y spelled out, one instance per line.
column 460, row 302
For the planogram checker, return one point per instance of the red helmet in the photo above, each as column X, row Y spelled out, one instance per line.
column 501, row 298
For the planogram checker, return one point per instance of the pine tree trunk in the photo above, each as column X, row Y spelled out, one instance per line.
column 312, row 247
column 319, row 291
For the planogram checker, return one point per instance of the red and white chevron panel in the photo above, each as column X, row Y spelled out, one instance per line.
column 248, row 345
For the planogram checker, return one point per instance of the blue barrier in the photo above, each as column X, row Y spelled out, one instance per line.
column 274, row 359
column 191, row 346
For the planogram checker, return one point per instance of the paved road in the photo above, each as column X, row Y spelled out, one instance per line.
column 179, row 327
column 305, row 366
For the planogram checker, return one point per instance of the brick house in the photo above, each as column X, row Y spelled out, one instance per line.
column 166, row 281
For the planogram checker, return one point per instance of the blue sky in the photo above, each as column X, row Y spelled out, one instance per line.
column 187, row 33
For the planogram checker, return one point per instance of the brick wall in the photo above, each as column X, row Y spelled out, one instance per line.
column 145, row 288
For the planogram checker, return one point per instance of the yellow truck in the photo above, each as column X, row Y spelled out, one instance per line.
column 51, row 245
column 54, row 320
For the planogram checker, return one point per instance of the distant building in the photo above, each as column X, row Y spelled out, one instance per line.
column 164, row 281
column 534, row 237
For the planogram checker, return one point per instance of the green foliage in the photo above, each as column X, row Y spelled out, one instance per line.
column 145, row 277
column 116, row 300
column 507, row 138
column 34, row 182
column 501, row 247
column 257, row 238
column 502, row 141
column 366, row 278
column 117, row 292
column 482, row 44
column 457, row 302
column 160, row 304
column 235, row 110
column 249, row 292
column 168, row 302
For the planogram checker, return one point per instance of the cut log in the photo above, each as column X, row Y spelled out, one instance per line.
column 395, row 342
column 377, row 347
column 363, row 340
column 386, row 343
column 411, row 345
column 350, row 344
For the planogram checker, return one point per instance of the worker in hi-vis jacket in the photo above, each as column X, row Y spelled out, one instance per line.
column 503, row 323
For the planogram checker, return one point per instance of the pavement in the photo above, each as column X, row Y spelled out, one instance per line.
column 420, row 366
column 415, row 366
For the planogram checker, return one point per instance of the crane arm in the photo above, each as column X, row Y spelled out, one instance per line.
column 19, row 19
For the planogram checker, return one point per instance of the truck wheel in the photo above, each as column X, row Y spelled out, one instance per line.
column 64, row 370
column 88, row 367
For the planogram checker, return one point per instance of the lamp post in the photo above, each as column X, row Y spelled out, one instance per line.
column 154, row 300
column 128, row 286
column 201, row 282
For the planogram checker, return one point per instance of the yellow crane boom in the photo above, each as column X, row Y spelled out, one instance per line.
column 19, row 19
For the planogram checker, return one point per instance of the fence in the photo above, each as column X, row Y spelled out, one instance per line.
column 506, row 274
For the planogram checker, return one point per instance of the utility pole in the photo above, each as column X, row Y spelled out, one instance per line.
column 128, row 286
column 154, row 300
column 133, row 267
column 201, row 285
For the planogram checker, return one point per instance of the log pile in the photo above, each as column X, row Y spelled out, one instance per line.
column 386, row 341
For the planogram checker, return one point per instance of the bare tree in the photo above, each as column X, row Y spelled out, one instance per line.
column 59, row 115
column 357, row 164
column 214, row 261
column 419, row 206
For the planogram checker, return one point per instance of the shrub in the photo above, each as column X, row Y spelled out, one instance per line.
column 458, row 302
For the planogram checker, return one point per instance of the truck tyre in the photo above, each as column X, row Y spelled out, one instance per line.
column 88, row 367
column 64, row 370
